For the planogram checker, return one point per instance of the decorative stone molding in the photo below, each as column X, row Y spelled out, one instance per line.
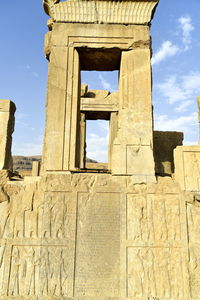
column 48, row 5
column 187, row 167
column 110, row 12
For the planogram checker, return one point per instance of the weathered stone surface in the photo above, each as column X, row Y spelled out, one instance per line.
column 7, row 110
column 164, row 143
column 101, row 102
column 4, row 176
column 70, row 234
column 95, row 236
column 187, row 168
column 101, row 94
column 130, row 113
column 35, row 168
column 109, row 56
column 132, row 146
column 84, row 89
column 124, row 12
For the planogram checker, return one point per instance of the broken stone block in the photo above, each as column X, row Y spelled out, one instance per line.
column 7, row 121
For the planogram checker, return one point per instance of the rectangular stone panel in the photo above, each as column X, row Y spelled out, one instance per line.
column 193, row 219
column 191, row 162
column 194, row 268
column 58, row 215
column 52, row 218
column 153, row 218
column 40, row 271
column 140, row 158
column 155, row 273
column 98, row 245
column 187, row 167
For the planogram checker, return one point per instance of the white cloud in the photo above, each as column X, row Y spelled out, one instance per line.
column 98, row 147
column 191, row 81
column 190, row 143
column 35, row 74
column 27, row 149
column 185, row 24
column 182, row 90
column 183, row 106
column 21, row 115
column 187, row 124
column 105, row 84
column 97, row 143
column 166, row 50
column 184, row 123
column 169, row 49
column 172, row 90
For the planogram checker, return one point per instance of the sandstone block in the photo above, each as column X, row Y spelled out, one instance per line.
column 164, row 144
column 35, row 168
column 187, row 167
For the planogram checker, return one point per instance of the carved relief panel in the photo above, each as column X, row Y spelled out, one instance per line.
column 193, row 217
column 156, row 250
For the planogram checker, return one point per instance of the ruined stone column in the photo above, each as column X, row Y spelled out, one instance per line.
column 7, row 120
column 133, row 150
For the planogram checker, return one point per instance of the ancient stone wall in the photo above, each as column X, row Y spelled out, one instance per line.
column 125, row 235
column 87, row 236
column 164, row 143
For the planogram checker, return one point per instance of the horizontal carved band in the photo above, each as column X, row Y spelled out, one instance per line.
column 89, row 11
column 88, row 104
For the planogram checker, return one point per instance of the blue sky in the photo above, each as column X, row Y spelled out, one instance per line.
column 176, row 72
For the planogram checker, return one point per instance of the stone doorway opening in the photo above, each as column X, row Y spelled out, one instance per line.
column 99, row 78
column 97, row 144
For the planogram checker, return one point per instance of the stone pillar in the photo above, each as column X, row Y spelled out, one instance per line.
column 55, row 110
column 82, row 145
column 72, row 114
column 112, row 136
column 132, row 150
column 62, row 118
column 7, row 120
column 35, row 168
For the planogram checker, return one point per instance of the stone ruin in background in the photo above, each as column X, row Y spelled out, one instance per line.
column 130, row 231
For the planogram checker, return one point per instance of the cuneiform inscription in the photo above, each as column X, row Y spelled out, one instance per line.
column 98, row 245
column 39, row 271
column 153, row 217
column 154, row 273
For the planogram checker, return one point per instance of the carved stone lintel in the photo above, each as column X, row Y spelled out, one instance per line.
column 100, row 11
column 48, row 4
